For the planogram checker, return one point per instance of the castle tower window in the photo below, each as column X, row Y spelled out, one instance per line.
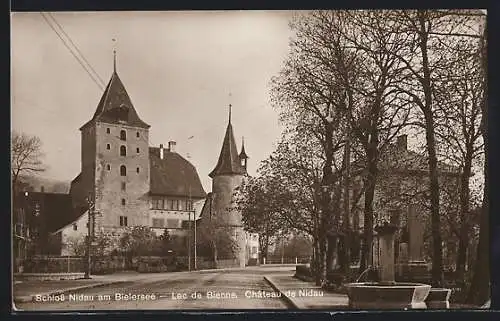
column 137, row 150
column 108, row 167
column 123, row 221
column 123, row 151
column 75, row 227
column 108, row 131
column 123, row 201
column 124, row 186
column 137, row 134
column 123, row 135
column 123, row 170
column 137, row 169
column 108, row 146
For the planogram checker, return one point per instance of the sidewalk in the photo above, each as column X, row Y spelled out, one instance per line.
column 306, row 295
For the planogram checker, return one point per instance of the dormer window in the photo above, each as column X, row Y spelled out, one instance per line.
column 123, row 135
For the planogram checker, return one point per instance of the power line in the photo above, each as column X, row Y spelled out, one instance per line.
column 101, row 87
column 76, row 47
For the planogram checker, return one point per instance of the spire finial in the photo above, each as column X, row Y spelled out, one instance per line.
column 242, row 141
column 230, row 107
column 114, row 54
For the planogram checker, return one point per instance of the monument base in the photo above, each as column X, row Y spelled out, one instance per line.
column 396, row 295
column 413, row 271
column 438, row 298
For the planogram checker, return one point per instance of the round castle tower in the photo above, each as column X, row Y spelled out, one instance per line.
column 228, row 174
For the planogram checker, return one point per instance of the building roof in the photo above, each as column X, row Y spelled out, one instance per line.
column 229, row 160
column 173, row 175
column 115, row 106
column 55, row 210
column 400, row 159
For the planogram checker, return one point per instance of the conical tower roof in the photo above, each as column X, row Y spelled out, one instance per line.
column 115, row 106
column 229, row 161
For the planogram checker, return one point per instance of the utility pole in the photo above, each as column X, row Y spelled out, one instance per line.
column 90, row 233
column 189, row 232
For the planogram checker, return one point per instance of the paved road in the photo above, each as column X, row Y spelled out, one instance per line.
column 180, row 291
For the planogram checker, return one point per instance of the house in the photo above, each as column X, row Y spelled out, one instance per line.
column 401, row 197
column 38, row 218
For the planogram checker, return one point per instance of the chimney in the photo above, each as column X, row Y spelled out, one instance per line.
column 161, row 151
column 402, row 142
column 171, row 146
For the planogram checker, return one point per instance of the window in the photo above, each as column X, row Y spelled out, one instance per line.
column 254, row 250
column 75, row 227
column 172, row 223
column 108, row 167
column 137, row 150
column 137, row 134
column 108, row 131
column 108, row 146
column 189, row 205
column 123, row 150
column 155, row 203
column 176, row 205
column 123, row 135
column 185, row 225
column 123, row 170
column 170, row 204
column 158, row 222
column 137, row 169
column 123, row 201
column 123, row 221
column 124, row 186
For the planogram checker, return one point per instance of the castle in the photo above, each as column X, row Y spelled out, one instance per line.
column 127, row 183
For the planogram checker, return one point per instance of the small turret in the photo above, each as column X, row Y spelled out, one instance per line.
column 243, row 155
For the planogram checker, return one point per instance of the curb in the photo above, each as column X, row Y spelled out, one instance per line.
column 287, row 299
column 29, row 298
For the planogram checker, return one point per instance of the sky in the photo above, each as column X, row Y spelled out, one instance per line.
column 180, row 69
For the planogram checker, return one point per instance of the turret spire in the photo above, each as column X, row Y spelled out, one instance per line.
column 114, row 54
column 230, row 107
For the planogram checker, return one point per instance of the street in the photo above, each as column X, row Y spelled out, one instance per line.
column 219, row 289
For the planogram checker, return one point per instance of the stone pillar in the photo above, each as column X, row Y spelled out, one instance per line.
column 416, row 236
column 386, row 244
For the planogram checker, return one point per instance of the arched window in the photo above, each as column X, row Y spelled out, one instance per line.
column 123, row 170
column 123, row 201
column 108, row 167
column 137, row 169
column 123, row 151
column 108, row 146
column 137, row 134
column 123, row 135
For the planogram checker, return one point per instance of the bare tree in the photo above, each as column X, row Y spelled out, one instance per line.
column 26, row 154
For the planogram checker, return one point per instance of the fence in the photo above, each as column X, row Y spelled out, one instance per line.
column 47, row 264
column 287, row 260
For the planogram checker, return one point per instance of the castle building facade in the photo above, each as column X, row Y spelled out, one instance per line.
column 125, row 181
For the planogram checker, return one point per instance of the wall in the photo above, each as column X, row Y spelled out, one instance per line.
column 109, row 193
column 68, row 234
column 223, row 188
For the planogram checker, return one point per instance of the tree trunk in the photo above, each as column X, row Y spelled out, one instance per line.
column 345, row 240
column 463, row 242
column 437, row 251
column 367, row 242
column 480, row 287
